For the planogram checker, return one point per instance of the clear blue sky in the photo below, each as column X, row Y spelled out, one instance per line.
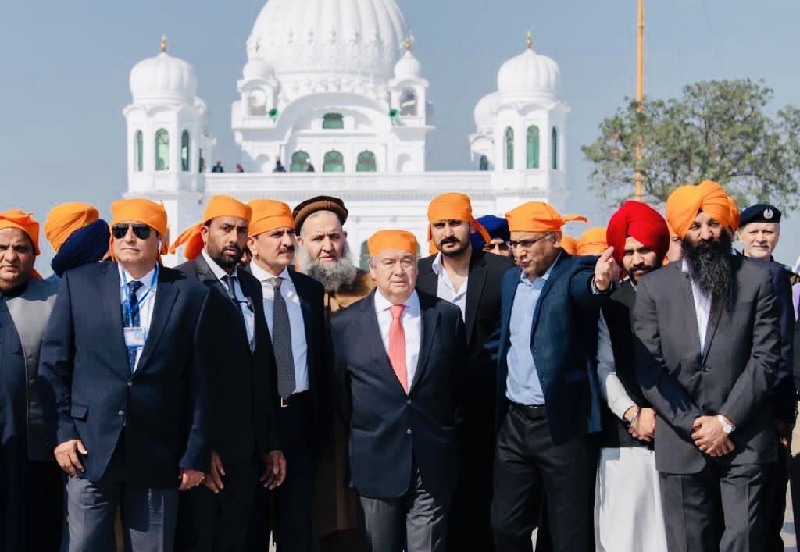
column 66, row 64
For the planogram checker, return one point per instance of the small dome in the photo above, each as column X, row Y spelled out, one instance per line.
column 531, row 74
column 163, row 78
column 484, row 111
column 408, row 67
column 258, row 68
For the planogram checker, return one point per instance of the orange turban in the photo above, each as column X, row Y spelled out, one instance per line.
column 685, row 202
column 536, row 216
column 593, row 242
column 218, row 206
column 735, row 216
column 22, row 221
column 454, row 206
column 391, row 239
column 64, row 219
column 569, row 244
column 269, row 215
column 142, row 210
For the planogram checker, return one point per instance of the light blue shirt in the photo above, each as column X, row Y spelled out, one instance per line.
column 522, row 384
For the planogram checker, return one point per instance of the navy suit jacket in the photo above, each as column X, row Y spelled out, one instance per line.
column 564, row 346
column 90, row 394
column 390, row 431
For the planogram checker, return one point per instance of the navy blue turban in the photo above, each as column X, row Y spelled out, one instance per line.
column 497, row 228
column 84, row 246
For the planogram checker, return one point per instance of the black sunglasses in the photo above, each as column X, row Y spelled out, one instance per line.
column 141, row 231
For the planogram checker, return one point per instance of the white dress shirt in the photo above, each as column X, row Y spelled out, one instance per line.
column 297, row 324
column 411, row 319
column 611, row 387
column 245, row 304
column 702, row 307
column 148, row 292
column 446, row 290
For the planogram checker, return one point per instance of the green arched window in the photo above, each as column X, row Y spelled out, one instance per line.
column 332, row 121
column 138, row 154
column 483, row 163
column 162, row 150
column 185, row 150
column 366, row 162
column 509, row 148
column 333, row 162
column 299, row 162
column 554, row 146
column 533, row 147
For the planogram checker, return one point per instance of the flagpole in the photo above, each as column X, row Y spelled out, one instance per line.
column 639, row 93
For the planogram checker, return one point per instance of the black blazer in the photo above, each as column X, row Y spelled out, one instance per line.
column 88, row 390
column 312, row 303
column 733, row 375
column 389, row 430
column 243, row 418
column 483, row 294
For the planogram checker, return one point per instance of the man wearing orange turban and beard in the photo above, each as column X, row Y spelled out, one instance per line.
column 707, row 357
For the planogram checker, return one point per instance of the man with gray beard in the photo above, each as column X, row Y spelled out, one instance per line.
column 325, row 256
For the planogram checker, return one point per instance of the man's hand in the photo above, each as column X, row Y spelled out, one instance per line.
column 276, row 470
column 710, row 438
column 214, row 479
column 190, row 479
column 644, row 427
column 783, row 433
column 603, row 270
column 67, row 456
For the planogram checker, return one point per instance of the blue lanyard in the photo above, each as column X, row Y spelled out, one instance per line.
column 130, row 309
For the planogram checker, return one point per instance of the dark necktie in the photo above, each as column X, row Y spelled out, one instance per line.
column 132, row 318
column 230, row 287
column 282, row 341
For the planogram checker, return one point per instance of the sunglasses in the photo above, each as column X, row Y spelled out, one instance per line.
column 141, row 231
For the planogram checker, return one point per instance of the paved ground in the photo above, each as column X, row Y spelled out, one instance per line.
column 788, row 528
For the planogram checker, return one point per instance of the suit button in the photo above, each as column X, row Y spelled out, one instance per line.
column 408, row 432
column 408, row 401
column 121, row 413
column 32, row 381
column 130, row 384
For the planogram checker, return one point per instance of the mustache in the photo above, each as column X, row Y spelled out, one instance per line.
column 451, row 239
column 287, row 249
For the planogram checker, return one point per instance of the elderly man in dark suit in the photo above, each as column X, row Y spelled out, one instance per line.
column 124, row 388
column 470, row 279
column 400, row 359
column 708, row 352
column 547, row 389
column 243, row 424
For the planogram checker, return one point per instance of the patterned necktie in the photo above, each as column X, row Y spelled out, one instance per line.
column 282, row 341
column 230, row 287
column 397, row 346
column 132, row 318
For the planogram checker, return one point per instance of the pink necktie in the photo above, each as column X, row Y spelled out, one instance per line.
column 397, row 346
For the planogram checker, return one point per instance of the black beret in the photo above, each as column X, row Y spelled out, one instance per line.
column 319, row 203
column 760, row 213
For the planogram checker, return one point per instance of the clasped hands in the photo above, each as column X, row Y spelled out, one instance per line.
column 644, row 426
column 710, row 438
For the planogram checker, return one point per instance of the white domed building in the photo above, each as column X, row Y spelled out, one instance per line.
column 332, row 91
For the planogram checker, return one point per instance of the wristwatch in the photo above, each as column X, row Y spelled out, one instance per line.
column 727, row 428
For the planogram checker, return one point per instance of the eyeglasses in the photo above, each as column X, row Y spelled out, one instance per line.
column 528, row 244
column 141, row 231
column 501, row 247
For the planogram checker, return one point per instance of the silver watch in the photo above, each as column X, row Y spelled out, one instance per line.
column 726, row 427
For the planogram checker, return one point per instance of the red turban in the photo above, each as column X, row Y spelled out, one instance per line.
column 641, row 222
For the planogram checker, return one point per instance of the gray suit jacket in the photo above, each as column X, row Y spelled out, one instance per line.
column 30, row 312
column 733, row 375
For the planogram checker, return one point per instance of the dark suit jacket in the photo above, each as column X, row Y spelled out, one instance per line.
column 564, row 347
column 733, row 375
column 243, row 420
column 389, row 430
column 312, row 303
column 784, row 396
column 90, row 394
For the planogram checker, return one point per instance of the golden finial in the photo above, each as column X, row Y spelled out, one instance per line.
column 163, row 43
column 529, row 41
column 258, row 45
column 408, row 44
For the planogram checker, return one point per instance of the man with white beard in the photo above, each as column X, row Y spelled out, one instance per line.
column 324, row 255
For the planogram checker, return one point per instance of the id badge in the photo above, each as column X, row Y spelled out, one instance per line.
column 134, row 337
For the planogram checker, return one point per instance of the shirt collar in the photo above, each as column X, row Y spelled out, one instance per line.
column 383, row 304
column 148, row 280
column 215, row 268
column 437, row 264
column 263, row 276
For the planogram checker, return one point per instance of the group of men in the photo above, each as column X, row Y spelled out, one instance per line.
column 632, row 390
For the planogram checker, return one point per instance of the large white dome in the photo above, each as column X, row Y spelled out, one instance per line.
column 163, row 78
column 530, row 74
column 308, row 41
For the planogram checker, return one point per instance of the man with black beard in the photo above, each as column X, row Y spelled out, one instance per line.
column 470, row 278
column 215, row 516
column 707, row 357
column 325, row 256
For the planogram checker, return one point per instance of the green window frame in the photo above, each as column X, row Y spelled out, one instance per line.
column 185, row 151
column 533, row 147
column 509, row 138
column 333, row 162
column 332, row 121
column 366, row 162
column 554, row 153
column 299, row 162
column 162, row 150
column 138, row 153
